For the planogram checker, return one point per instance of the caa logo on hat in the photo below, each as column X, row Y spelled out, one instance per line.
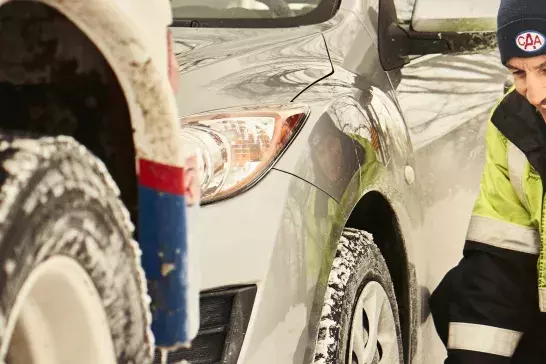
column 530, row 41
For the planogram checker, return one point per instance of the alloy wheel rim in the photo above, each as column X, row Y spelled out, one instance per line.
column 373, row 338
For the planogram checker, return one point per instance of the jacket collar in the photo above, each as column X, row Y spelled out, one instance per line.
column 519, row 121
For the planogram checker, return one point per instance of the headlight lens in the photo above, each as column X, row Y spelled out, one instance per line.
column 236, row 147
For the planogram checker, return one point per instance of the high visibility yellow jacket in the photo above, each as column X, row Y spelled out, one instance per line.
column 496, row 293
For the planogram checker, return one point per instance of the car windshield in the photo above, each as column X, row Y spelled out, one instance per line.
column 243, row 9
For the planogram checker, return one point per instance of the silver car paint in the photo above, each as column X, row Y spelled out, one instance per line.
column 357, row 83
column 237, row 67
column 270, row 234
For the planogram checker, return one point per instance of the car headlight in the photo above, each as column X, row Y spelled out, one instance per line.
column 236, row 147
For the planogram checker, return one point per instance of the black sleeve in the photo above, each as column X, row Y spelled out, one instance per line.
column 490, row 286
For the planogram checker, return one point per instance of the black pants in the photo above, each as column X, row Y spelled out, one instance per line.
column 532, row 347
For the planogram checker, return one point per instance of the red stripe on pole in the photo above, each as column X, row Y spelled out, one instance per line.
column 161, row 177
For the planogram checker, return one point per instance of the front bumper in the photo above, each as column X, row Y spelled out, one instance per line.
column 258, row 239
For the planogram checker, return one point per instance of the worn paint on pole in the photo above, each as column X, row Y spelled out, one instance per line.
column 163, row 240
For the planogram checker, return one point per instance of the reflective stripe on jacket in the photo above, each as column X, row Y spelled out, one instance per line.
column 484, row 305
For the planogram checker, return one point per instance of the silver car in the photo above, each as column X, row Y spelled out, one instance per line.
column 337, row 178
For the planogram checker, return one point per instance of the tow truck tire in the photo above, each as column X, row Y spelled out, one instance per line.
column 359, row 321
column 71, row 286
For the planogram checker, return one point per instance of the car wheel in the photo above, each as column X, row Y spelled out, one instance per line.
column 359, row 321
column 71, row 286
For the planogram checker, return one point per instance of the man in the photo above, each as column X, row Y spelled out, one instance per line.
column 490, row 308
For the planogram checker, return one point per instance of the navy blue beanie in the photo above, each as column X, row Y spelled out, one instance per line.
column 521, row 29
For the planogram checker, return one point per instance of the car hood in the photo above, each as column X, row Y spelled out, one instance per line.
column 225, row 67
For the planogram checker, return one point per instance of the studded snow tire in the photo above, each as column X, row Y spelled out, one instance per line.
column 358, row 261
column 56, row 198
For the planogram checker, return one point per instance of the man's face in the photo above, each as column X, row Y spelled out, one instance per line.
column 530, row 80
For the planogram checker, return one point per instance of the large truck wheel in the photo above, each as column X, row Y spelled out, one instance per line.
column 71, row 286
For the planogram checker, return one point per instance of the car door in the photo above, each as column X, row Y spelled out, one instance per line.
column 446, row 101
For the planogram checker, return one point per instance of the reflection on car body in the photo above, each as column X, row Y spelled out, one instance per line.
column 354, row 162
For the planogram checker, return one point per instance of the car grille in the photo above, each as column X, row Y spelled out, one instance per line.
column 224, row 317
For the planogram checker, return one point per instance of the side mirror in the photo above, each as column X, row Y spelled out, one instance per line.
column 436, row 27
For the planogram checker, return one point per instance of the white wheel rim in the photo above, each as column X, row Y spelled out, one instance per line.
column 378, row 343
column 58, row 318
